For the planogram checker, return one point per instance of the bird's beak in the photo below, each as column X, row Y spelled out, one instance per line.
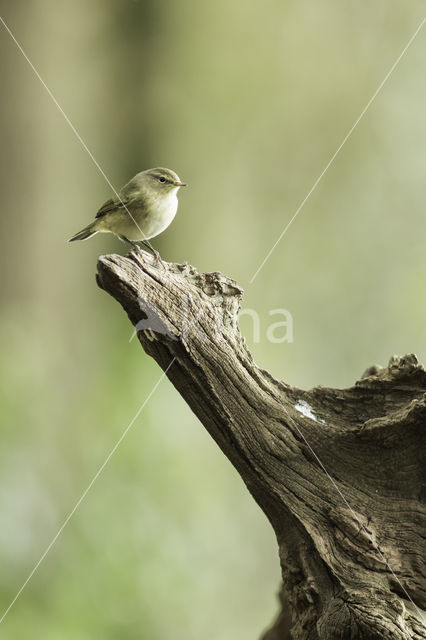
column 181, row 184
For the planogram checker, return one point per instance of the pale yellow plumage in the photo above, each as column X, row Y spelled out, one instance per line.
column 146, row 206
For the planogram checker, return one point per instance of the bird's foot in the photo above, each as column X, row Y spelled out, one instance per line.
column 138, row 257
column 136, row 248
column 158, row 259
column 139, row 251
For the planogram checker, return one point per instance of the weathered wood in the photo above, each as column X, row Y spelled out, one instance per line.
column 339, row 473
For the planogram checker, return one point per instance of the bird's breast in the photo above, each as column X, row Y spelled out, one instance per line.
column 161, row 215
column 143, row 218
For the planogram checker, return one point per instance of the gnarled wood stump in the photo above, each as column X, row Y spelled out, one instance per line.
column 339, row 473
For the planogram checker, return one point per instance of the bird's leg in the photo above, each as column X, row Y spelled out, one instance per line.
column 134, row 245
column 158, row 259
column 157, row 256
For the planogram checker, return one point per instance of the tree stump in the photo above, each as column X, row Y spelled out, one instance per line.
column 338, row 472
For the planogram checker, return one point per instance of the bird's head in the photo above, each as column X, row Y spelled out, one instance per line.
column 163, row 180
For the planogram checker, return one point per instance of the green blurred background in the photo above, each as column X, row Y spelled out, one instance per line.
column 247, row 101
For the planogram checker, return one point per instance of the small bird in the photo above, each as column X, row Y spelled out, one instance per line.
column 145, row 207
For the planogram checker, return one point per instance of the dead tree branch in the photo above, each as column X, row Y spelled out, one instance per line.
column 339, row 473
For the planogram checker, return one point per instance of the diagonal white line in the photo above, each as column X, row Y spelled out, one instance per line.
column 74, row 130
column 339, row 148
column 101, row 468
column 355, row 515
column 92, row 482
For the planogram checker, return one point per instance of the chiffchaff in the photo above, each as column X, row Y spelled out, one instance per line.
column 146, row 206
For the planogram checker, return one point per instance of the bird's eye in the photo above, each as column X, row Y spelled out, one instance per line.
column 162, row 179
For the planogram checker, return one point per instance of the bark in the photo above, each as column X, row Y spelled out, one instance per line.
column 338, row 472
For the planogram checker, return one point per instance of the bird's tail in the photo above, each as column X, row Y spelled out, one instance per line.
column 85, row 233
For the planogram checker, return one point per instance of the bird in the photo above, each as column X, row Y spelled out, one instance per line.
column 142, row 209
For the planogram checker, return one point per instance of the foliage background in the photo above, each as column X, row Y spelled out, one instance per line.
column 247, row 102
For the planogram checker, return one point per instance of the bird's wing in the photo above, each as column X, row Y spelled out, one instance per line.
column 111, row 205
